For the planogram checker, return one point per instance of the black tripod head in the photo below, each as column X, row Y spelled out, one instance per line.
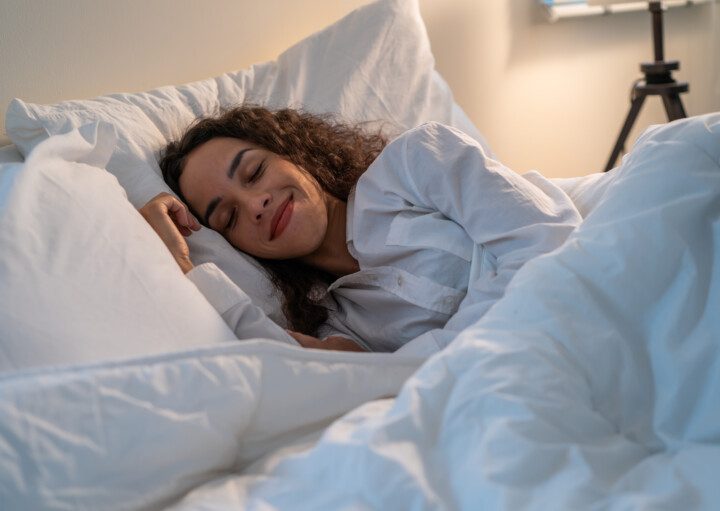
column 658, row 71
column 658, row 82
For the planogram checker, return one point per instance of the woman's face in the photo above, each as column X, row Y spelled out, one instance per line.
column 261, row 203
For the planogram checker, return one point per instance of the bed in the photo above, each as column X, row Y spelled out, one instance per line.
column 594, row 383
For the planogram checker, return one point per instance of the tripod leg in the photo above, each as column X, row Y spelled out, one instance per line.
column 673, row 106
column 625, row 131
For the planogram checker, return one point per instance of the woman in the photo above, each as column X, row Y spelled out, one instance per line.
column 372, row 245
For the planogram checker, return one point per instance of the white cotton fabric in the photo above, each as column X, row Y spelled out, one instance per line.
column 82, row 276
column 357, row 68
column 140, row 433
column 439, row 229
column 10, row 154
column 586, row 191
column 592, row 384
column 236, row 308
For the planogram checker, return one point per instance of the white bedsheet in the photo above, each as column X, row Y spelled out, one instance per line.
column 593, row 384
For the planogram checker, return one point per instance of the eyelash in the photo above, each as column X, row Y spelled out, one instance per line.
column 254, row 177
column 231, row 220
column 258, row 171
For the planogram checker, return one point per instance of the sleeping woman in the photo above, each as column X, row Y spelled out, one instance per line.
column 373, row 245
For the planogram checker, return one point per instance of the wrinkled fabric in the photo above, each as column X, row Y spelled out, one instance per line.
column 139, row 433
column 239, row 312
column 349, row 68
column 83, row 277
column 439, row 229
column 594, row 383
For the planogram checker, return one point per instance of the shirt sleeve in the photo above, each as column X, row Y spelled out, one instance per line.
column 514, row 218
column 246, row 319
column 448, row 171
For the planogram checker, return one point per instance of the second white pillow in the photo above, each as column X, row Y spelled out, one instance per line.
column 375, row 64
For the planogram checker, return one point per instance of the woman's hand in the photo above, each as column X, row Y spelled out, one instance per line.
column 331, row 343
column 171, row 220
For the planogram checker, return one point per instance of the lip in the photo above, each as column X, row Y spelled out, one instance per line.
column 281, row 218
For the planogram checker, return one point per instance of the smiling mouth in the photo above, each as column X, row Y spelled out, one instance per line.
column 281, row 218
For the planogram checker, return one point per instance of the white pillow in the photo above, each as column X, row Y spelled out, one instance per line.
column 84, row 277
column 373, row 65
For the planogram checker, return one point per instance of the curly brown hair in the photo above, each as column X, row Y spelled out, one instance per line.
column 334, row 153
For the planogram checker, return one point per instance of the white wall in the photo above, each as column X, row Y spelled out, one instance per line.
column 547, row 96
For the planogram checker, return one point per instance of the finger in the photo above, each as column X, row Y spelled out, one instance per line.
column 295, row 335
column 168, row 231
column 346, row 345
column 180, row 214
column 195, row 225
column 192, row 221
column 184, row 230
column 177, row 210
column 166, row 228
column 306, row 341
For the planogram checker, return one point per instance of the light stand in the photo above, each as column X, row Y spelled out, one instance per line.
column 658, row 82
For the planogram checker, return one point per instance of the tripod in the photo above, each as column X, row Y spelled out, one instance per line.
column 658, row 82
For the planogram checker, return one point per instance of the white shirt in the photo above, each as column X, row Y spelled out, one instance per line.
column 438, row 229
column 245, row 318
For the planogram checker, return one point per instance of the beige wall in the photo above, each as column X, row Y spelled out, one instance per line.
column 554, row 96
column 547, row 96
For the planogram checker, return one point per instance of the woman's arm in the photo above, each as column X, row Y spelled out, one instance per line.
column 510, row 219
column 333, row 342
column 447, row 171
column 246, row 319
column 172, row 221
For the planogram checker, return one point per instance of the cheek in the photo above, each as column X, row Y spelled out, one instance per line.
column 319, row 217
column 243, row 239
column 305, row 226
column 241, row 243
column 304, row 234
column 308, row 231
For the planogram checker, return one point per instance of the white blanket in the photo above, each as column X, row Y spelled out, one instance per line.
column 593, row 384
column 135, row 434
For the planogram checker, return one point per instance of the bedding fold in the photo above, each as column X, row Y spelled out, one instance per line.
column 592, row 384
column 139, row 433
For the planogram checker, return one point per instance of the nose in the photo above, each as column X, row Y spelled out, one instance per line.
column 258, row 204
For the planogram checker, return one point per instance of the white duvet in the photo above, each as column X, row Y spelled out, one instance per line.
column 593, row 384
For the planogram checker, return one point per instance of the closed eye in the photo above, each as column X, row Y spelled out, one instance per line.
column 258, row 171
column 231, row 220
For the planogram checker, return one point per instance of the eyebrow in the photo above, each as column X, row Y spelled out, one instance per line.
column 234, row 165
